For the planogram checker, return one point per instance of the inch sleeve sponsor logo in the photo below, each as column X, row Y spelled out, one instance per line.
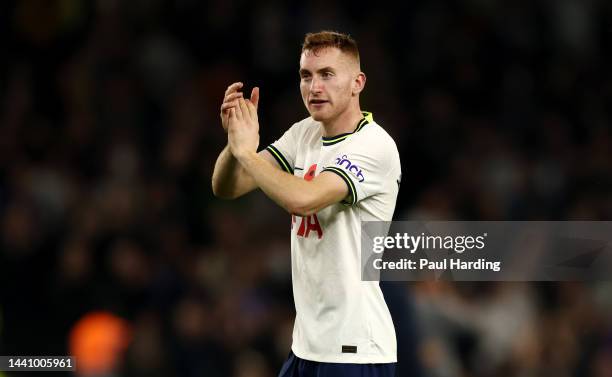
column 345, row 163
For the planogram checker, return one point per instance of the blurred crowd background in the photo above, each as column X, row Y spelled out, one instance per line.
column 113, row 248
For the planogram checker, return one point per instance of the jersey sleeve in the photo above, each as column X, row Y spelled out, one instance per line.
column 365, row 168
column 284, row 149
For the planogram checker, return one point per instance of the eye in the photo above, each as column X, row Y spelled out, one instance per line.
column 327, row 74
column 305, row 77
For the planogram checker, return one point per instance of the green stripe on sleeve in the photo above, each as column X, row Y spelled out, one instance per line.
column 347, row 180
column 282, row 161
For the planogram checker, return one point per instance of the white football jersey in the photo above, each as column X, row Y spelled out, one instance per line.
column 339, row 317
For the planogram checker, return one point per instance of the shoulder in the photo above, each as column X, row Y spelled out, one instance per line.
column 375, row 132
column 376, row 140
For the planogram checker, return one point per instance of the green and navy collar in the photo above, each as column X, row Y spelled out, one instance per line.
column 367, row 118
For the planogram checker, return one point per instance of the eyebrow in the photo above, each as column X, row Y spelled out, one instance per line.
column 324, row 69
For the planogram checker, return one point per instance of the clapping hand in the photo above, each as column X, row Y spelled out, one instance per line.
column 243, row 124
column 232, row 95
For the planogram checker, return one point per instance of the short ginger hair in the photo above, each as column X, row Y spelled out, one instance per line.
column 324, row 39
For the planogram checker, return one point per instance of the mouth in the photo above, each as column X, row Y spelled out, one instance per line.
column 317, row 102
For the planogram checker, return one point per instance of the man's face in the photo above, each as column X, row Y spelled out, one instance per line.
column 326, row 82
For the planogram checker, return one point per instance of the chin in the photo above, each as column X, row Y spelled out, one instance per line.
column 319, row 116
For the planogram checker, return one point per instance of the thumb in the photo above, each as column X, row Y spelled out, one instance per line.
column 255, row 96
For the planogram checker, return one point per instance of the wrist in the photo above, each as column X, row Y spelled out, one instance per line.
column 244, row 156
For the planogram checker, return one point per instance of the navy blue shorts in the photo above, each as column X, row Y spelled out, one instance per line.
column 296, row 367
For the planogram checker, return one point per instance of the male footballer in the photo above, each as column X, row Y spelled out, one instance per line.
column 330, row 171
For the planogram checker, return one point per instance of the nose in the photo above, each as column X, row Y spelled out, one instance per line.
column 316, row 85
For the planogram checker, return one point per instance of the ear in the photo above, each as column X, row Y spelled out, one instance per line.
column 358, row 83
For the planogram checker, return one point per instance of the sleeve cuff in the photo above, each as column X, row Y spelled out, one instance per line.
column 352, row 198
column 280, row 159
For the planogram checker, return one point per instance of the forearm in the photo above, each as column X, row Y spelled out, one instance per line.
column 229, row 179
column 293, row 194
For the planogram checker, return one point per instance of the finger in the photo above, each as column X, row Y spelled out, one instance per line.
column 255, row 96
column 244, row 108
column 252, row 109
column 239, row 113
column 231, row 97
column 234, row 87
column 229, row 105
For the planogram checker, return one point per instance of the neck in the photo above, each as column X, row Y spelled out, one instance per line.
column 343, row 123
